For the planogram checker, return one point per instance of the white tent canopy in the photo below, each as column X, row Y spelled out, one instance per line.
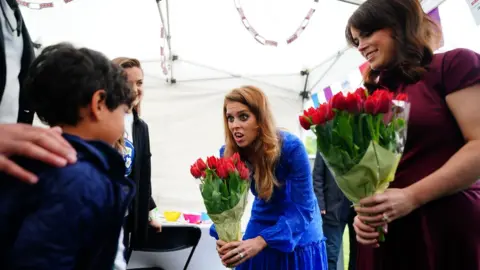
column 212, row 45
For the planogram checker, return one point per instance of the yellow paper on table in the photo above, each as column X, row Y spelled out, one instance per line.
column 371, row 175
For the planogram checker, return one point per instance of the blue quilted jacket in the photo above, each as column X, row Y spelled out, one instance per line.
column 71, row 218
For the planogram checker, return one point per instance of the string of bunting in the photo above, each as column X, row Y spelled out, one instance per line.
column 262, row 40
column 38, row 6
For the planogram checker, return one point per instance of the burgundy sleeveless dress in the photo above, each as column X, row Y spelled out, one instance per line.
column 443, row 234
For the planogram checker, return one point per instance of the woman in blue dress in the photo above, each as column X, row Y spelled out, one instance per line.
column 285, row 228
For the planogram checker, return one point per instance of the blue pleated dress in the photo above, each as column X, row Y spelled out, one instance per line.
column 290, row 222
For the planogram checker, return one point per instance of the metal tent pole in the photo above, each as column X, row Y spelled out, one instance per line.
column 168, row 36
column 333, row 56
column 353, row 2
column 171, row 57
column 335, row 59
column 233, row 75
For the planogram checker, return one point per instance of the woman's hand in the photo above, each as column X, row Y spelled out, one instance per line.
column 366, row 234
column 236, row 253
column 386, row 207
column 220, row 244
column 156, row 225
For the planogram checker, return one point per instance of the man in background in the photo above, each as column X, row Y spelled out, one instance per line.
column 18, row 136
column 336, row 213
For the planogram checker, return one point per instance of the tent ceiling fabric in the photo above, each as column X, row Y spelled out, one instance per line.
column 208, row 32
column 204, row 32
column 220, row 39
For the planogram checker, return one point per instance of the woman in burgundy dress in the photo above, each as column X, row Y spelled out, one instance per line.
column 431, row 213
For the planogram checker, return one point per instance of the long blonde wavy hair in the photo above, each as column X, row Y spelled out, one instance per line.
column 265, row 150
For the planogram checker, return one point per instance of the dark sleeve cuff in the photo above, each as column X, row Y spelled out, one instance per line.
column 151, row 204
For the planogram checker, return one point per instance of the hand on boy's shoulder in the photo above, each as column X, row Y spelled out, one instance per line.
column 38, row 143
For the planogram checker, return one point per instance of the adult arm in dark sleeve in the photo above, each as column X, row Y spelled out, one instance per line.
column 318, row 176
column 146, row 170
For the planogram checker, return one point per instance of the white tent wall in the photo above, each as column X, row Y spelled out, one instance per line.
column 114, row 27
column 186, row 122
column 458, row 25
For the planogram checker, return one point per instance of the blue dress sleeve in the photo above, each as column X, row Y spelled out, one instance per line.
column 300, row 201
column 213, row 232
column 52, row 235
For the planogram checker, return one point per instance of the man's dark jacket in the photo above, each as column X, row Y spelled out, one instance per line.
column 330, row 197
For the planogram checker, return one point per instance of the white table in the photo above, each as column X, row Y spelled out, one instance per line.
column 205, row 256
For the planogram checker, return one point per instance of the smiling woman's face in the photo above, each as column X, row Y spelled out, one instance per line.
column 242, row 123
column 135, row 77
column 377, row 47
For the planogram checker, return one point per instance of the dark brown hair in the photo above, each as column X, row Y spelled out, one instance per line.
column 266, row 147
column 125, row 63
column 414, row 32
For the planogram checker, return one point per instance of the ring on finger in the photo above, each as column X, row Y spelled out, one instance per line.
column 241, row 255
column 385, row 218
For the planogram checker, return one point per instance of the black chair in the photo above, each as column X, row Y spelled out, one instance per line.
column 172, row 238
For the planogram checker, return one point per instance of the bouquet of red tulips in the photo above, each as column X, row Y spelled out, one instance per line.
column 361, row 137
column 224, row 187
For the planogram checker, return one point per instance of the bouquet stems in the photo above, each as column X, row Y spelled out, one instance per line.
column 381, row 232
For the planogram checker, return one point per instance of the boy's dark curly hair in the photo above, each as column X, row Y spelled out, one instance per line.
column 63, row 79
